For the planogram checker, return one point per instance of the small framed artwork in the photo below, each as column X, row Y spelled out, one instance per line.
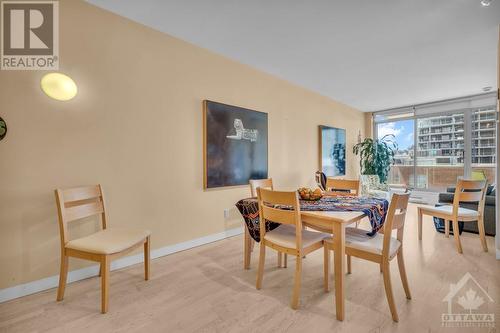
column 235, row 145
column 332, row 145
column 3, row 129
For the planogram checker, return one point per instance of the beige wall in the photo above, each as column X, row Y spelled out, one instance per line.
column 369, row 124
column 136, row 128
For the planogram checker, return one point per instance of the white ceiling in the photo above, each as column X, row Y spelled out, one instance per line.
column 368, row 54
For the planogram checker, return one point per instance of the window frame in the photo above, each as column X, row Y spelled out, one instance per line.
column 467, row 113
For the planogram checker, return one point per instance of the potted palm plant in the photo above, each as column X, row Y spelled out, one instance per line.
column 376, row 156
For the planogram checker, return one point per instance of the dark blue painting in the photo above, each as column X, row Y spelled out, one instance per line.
column 332, row 151
column 235, row 142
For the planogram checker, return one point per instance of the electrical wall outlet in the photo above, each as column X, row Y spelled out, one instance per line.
column 226, row 213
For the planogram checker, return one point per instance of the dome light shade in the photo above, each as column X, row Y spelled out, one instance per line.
column 59, row 86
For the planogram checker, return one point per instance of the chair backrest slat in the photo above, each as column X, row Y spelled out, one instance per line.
column 470, row 196
column 270, row 210
column 395, row 219
column 470, row 191
column 81, row 193
column 263, row 183
column 82, row 211
column 78, row 203
column 469, row 184
column 279, row 197
column 278, row 215
column 339, row 185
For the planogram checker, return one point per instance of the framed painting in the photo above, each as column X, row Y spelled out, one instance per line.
column 332, row 145
column 235, row 145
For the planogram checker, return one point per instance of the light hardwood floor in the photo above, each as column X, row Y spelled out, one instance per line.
column 206, row 290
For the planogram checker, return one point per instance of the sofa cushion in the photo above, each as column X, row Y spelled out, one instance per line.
column 489, row 200
column 446, row 197
column 448, row 209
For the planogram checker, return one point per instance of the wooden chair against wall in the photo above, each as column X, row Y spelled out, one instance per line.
column 342, row 186
column 249, row 243
column 288, row 238
column 382, row 247
column 103, row 246
column 466, row 191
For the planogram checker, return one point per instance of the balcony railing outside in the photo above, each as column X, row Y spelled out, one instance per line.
column 434, row 178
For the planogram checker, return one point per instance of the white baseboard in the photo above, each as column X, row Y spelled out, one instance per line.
column 84, row 273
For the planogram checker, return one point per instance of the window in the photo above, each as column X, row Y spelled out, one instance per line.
column 403, row 131
column 440, row 141
column 483, row 143
column 439, row 162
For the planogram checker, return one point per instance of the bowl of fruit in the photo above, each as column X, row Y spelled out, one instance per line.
column 310, row 194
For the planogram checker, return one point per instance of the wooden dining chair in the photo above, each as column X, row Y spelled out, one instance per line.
column 249, row 243
column 290, row 237
column 335, row 186
column 465, row 191
column 103, row 246
column 382, row 247
column 342, row 186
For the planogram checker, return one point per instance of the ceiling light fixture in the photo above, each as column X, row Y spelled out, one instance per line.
column 486, row 3
column 59, row 86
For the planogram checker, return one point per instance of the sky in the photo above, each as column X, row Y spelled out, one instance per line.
column 402, row 130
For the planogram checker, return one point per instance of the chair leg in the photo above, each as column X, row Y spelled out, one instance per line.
column 456, row 235
column 402, row 273
column 104, row 283
column 280, row 259
column 246, row 250
column 447, row 228
column 348, row 264
column 388, row 290
column 262, row 259
column 285, row 260
column 419, row 224
column 326, row 268
column 63, row 276
column 482, row 236
column 147, row 258
column 296, row 287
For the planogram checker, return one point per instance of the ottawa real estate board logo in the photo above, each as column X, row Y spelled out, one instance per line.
column 29, row 35
column 468, row 304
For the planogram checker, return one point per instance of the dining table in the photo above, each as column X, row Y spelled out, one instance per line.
column 331, row 215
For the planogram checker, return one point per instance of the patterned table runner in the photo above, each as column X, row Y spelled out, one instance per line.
column 375, row 209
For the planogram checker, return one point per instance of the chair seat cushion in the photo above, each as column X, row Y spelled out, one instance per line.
column 448, row 209
column 358, row 239
column 108, row 241
column 284, row 235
